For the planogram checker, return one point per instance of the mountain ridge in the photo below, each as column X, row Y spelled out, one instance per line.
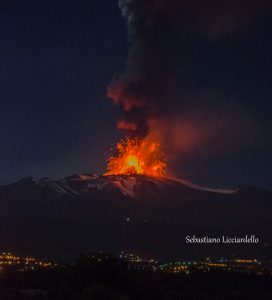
column 144, row 215
column 125, row 183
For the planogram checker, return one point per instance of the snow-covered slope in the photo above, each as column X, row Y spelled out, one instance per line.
column 132, row 186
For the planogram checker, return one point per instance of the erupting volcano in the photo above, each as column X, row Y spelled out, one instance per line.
column 137, row 156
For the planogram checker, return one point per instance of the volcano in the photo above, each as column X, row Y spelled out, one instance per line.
column 146, row 215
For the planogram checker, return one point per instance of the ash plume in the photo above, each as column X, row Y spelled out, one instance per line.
column 151, row 86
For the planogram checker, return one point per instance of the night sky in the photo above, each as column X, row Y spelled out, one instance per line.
column 57, row 59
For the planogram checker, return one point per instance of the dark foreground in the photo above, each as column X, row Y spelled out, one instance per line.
column 112, row 280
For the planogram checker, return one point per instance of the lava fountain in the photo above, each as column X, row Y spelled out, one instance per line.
column 137, row 156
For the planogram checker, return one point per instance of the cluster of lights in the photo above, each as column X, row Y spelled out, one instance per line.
column 132, row 258
column 217, row 265
column 180, row 267
column 237, row 265
column 8, row 260
column 248, row 261
column 177, row 269
column 186, row 267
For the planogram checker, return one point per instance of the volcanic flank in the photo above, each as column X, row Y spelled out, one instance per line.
column 143, row 214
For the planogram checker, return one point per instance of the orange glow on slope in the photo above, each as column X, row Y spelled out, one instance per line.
column 137, row 156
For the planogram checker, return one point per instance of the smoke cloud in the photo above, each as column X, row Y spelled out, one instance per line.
column 151, row 87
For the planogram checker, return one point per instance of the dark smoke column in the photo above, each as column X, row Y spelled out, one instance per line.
column 150, row 88
column 147, row 84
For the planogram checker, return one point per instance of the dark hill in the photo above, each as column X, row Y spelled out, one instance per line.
column 144, row 215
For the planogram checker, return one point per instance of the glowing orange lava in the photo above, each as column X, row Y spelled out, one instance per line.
column 137, row 156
